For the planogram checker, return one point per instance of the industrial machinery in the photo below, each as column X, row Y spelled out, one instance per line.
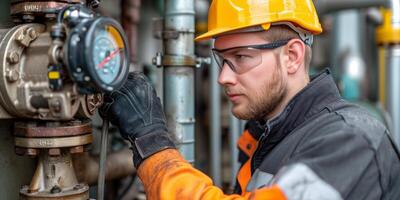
column 59, row 56
column 55, row 64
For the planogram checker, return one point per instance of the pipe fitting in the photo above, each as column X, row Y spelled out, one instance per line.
column 387, row 33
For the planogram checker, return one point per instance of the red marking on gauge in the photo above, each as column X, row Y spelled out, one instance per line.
column 108, row 58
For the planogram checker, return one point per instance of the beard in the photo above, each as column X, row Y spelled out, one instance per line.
column 264, row 101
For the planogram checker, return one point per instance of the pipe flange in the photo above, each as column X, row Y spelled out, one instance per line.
column 28, row 10
column 78, row 192
column 53, row 143
column 39, row 129
column 35, row 135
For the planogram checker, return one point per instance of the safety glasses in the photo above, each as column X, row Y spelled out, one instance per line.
column 243, row 58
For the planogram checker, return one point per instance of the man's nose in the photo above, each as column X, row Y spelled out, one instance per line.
column 227, row 76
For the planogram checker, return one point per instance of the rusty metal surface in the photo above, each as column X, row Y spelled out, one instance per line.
column 89, row 104
column 26, row 151
column 63, row 1
column 80, row 193
column 53, row 142
column 93, row 102
column 54, row 129
column 41, row 7
column 54, row 178
column 36, row 7
column 130, row 17
column 172, row 60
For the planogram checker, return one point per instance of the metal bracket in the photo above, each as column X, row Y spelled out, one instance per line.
column 202, row 60
column 170, row 34
column 173, row 60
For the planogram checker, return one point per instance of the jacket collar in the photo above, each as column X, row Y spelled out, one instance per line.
column 312, row 99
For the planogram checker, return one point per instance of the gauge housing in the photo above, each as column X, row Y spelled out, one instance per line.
column 80, row 53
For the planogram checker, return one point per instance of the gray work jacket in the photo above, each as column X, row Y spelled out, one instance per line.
column 322, row 147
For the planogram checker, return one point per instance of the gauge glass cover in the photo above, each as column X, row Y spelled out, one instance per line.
column 108, row 53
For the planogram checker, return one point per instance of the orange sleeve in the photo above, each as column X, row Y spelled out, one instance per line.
column 166, row 176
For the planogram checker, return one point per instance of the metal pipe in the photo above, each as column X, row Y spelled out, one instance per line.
column 392, row 68
column 102, row 163
column 349, row 55
column 326, row 6
column 393, row 88
column 179, row 63
column 130, row 17
column 395, row 7
column 117, row 166
column 234, row 132
column 215, row 124
column 53, row 172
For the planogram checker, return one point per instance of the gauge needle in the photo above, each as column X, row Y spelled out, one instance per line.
column 108, row 58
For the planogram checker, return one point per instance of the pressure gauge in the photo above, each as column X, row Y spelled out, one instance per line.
column 97, row 55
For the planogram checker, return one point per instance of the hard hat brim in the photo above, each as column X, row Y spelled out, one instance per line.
column 209, row 35
column 224, row 31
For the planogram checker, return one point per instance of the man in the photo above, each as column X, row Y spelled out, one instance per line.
column 303, row 141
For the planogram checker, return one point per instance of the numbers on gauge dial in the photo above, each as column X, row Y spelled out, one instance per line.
column 107, row 57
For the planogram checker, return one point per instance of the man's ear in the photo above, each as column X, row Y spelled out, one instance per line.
column 295, row 50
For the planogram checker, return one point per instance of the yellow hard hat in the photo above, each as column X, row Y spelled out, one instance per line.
column 229, row 15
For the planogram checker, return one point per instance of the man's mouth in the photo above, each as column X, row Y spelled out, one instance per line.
column 233, row 96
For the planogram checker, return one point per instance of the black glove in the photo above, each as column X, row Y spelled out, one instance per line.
column 136, row 110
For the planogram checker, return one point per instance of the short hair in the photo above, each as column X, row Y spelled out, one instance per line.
column 282, row 32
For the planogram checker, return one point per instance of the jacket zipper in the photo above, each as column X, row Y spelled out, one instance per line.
column 260, row 143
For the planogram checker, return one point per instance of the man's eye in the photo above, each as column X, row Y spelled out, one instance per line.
column 242, row 57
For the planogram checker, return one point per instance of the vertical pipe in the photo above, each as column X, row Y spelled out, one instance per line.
column 215, row 124
column 349, row 55
column 392, row 68
column 234, row 131
column 130, row 16
column 393, row 88
column 178, row 45
column 395, row 7
column 102, row 162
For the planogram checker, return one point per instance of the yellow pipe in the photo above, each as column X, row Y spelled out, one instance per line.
column 381, row 72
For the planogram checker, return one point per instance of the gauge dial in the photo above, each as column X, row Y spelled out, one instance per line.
column 98, row 58
column 106, row 56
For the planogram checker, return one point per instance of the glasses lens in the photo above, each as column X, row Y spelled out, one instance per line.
column 243, row 59
column 218, row 58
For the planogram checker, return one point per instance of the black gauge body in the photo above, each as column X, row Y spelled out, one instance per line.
column 97, row 55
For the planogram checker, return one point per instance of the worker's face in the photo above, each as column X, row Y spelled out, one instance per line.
column 259, row 90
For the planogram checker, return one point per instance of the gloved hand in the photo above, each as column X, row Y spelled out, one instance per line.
column 136, row 110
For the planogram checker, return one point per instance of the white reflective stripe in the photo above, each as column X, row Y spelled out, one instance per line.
column 259, row 179
column 299, row 182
